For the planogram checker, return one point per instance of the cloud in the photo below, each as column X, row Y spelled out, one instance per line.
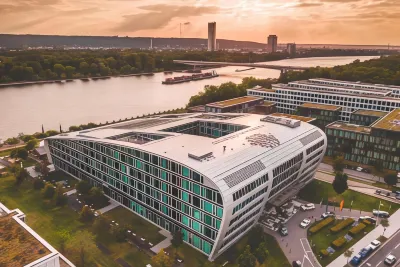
column 160, row 15
column 305, row 4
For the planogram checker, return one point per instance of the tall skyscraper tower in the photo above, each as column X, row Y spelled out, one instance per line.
column 212, row 36
column 272, row 43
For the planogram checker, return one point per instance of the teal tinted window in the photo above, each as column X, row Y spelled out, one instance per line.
column 185, row 171
column 165, row 210
column 196, row 241
column 185, row 196
column 165, row 199
column 185, row 235
column 125, row 179
column 219, row 212
column 138, row 164
column 196, row 189
column 164, row 175
column 186, row 184
column 218, row 224
column 123, row 168
column 206, row 247
column 164, row 187
column 164, row 163
column 207, row 219
column 116, row 155
column 208, row 206
column 196, row 214
column 185, row 220
column 130, row 161
column 196, row 226
column 183, row 207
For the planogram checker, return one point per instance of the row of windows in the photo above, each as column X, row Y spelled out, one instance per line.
column 248, row 200
column 237, row 218
column 363, row 137
column 241, row 230
column 282, row 185
column 285, row 175
column 315, row 147
column 188, row 236
column 248, row 217
column 334, row 89
column 284, row 166
column 250, row 187
column 314, row 156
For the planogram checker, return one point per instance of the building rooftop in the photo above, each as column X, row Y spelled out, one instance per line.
column 246, row 139
column 201, row 108
column 373, row 113
column 18, row 246
column 391, row 122
column 338, row 125
column 234, row 101
column 384, row 86
column 268, row 103
column 321, row 106
column 294, row 117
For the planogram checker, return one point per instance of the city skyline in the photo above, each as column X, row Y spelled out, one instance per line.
column 291, row 20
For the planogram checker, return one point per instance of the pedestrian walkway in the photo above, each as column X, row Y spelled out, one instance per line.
column 393, row 227
column 32, row 172
column 113, row 204
column 70, row 192
column 163, row 244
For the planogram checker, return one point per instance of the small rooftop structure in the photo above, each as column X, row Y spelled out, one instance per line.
column 321, row 106
column 338, row 125
column 373, row 113
column 391, row 122
column 40, row 151
column 234, row 101
column 294, row 117
column 196, row 109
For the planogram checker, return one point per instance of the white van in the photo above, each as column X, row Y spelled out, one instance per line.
column 380, row 213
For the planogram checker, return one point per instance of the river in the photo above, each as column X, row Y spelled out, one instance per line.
column 26, row 108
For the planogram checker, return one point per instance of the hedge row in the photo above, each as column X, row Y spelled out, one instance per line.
column 324, row 253
column 338, row 243
column 321, row 225
column 356, row 229
column 366, row 222
column 343, row 224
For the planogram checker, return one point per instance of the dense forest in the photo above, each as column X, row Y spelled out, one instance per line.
column 384, row 70
column 39, row 65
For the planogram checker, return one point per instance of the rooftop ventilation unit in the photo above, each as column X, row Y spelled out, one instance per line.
column 282, row 121
column 200, row 154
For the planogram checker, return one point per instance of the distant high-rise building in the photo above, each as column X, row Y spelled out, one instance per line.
column 291, row 49
column 272, row 43
column 212, row 36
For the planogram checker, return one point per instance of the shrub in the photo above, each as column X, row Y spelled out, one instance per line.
column 366, row 222
column 338, row 243
column 321, row 225
column 343, row 224
column 324, row 253
column 356, row 229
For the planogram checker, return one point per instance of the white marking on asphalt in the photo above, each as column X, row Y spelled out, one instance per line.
column 378, row 264
column 397, row 246
column 368, row 264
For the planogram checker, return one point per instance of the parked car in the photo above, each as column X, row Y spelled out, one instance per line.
column 364, row 253
column 378, row 191
column 390, row 260
column 296, row 263
column 366, row 170
column 397, row 192
column 375, row 244
column 368, row 218
column 380, row 213
column 305, row 223
column 359, row 169
column 356, row 260
column 327, row 214
column 284, row 231
column 388, row 194
column 309, row 206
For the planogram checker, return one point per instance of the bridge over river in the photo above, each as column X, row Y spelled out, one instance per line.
column 282, row 68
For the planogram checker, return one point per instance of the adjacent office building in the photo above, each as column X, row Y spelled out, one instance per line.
column 349, row 96
column 208, row 175
column 291, row 49
column 378, row 143
column 272, row 45
column 212, row 36
column 21, row 246
column 244, row 104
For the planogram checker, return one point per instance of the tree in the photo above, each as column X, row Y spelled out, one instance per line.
column 69, row 72
column 64, row 236
column 38, row 184
column 177, row 239
column 94, row 68
column 161, row 260
column 22, row 153
column 86, row 214
column 378, row 166
column 31, row 144
column 20, row 176
column 74, row 128
column 120, row 233
column 385, row 224
column 246, row 259
column 79, row 246
column 256, row 235
column 48, row 191
column 51, row 133
column 347, row 254
column 12, row 141
column 340, row 183
column 60, row 199
column 390, row 179
column 59, row 69
column 96, row 195
column 101, row 225
column 338, row 164
column 262, row 252
column 83, row 187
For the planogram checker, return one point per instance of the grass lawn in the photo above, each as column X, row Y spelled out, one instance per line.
column 276, row 256
column 317, row 190
column 136, row 224
column 62, row 176
column 28, row 162
column 191, row 256
column 324, row 238
column 5, row 152
column 47, row 220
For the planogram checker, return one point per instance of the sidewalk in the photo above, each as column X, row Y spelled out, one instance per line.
column 374, row 234
column 113, row 204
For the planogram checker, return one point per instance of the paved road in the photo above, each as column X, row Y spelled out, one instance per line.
column 295, row 245
column 392, row 246
column 359, row 175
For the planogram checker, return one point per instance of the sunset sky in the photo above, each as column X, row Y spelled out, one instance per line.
column 300, row 21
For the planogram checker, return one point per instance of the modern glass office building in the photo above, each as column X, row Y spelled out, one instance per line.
column 207, row 175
